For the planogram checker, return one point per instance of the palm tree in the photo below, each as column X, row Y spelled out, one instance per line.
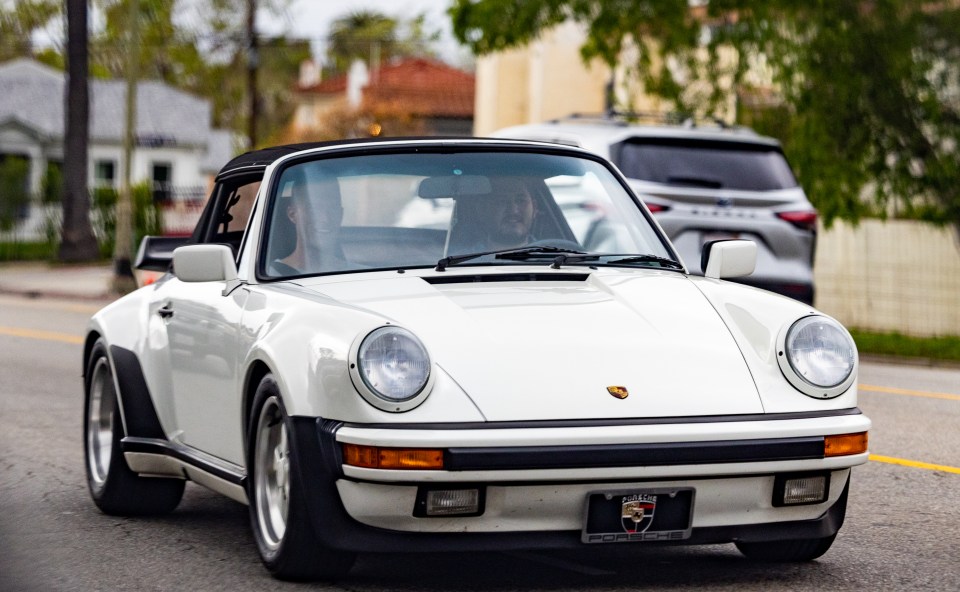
column 367, row 35
column 77, row 242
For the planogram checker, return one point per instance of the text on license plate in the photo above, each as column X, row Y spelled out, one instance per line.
column 638, row 515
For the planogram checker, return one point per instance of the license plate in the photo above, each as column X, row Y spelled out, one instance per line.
column 638, row 515
column 715, row 236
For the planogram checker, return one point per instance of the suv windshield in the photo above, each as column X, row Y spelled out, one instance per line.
column 380, row 211
column 715, row 165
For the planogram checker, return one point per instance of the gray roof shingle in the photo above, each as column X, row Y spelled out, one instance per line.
column 33, row 94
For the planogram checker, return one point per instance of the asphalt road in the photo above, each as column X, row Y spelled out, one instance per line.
column 900, row 534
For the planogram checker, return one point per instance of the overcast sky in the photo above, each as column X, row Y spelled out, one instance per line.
column 312, row 18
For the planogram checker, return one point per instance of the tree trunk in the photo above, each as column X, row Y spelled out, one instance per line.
column 123, row 279
column 77, row 242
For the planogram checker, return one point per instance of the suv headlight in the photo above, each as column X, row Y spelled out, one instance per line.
column 391, row 369
column 817, row 356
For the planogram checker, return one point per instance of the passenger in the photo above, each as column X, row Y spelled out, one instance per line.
column 315, row 209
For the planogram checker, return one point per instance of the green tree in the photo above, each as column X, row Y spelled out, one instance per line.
column 166, row 52
column 870, row 89
column 208, row 59
column 19, row 22
column 373, row 36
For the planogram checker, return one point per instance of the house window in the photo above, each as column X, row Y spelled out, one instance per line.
column 104, row 174
column 162, row 177
column 14, row 189
column 52, row 184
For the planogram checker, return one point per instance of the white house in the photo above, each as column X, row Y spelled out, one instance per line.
column 176, row 148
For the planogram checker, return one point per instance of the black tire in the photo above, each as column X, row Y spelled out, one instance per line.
column 795, row 551
column 282, row 528
column 115, row 489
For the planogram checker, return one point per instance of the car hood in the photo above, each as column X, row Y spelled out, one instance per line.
column 536, row 346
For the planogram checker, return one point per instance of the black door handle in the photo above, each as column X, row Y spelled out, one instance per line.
column 165, row 312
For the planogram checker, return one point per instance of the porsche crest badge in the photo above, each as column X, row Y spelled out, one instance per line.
column 619, row 392
column 636, row 512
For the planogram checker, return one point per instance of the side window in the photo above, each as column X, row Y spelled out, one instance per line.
column 233, row 211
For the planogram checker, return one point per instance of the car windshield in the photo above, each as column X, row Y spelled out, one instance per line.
column 405, row 210
column 713, row 165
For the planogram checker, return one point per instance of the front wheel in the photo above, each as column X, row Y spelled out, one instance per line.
column 281, row 527
column 794, row 551
column 116, row 489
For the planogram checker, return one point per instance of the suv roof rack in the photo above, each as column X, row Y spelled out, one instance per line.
column 625, row 118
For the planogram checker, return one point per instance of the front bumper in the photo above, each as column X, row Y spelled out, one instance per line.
column 536, row 481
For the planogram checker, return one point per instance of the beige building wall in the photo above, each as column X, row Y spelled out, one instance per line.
column 501, row 93
column 901, row 276
column 544, row 80
column 548, row 79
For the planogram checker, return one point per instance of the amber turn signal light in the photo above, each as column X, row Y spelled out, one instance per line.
column 374, row 457
column 845, row 444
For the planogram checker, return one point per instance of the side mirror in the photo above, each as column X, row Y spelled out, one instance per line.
column 204, row 263
column 728, row 258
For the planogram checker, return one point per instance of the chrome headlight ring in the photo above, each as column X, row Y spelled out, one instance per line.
column 817, row 356
column 391, row 369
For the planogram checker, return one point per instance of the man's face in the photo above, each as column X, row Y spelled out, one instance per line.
column 317, row 215
column 512, row 212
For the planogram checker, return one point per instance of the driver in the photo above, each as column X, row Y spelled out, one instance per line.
column 511, row 210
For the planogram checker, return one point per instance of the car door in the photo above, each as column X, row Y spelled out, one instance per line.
column 194, row 332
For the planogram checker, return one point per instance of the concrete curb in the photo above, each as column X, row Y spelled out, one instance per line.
column 70, row 282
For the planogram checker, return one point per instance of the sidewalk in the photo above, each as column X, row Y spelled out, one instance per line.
column 40, row 279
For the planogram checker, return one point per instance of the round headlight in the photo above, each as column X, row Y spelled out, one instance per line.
column 394, row 367
column 818, row 357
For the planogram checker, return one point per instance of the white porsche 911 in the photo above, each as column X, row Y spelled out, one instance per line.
column 538, row 369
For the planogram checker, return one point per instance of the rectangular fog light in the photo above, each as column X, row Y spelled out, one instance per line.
column 801, row 489
column 449, row 502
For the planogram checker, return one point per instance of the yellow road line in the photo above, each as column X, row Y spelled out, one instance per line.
column 45, row 335
column 900, row 391
column 913, row 463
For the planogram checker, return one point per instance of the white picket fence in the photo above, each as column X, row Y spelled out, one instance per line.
column 898, row 275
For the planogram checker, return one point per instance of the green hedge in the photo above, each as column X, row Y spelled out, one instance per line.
column 147, row 219
column 32, row 251
column 147, row 216
column 896, row 344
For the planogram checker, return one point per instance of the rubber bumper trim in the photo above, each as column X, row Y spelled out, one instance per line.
column 319, row 469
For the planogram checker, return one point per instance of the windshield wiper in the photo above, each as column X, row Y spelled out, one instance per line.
column 664, row 261
column 516, row 254
column 533, row 252
column 624, row 258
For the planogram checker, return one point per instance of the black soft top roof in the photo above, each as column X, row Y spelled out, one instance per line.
column 265, row 156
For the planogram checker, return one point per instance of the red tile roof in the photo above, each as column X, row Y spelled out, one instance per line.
column 426, row 87
column 335, row 85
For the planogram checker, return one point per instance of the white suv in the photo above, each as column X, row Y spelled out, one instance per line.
column 705, row 183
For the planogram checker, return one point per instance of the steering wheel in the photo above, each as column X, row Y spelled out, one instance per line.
column 560, row 243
